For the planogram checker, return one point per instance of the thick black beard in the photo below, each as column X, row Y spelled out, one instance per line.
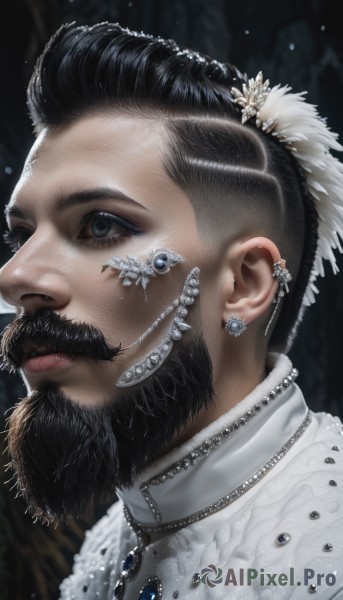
column 68, row 457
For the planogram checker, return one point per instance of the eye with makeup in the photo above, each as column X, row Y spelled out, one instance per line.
column 98, row 228
column 104, row 229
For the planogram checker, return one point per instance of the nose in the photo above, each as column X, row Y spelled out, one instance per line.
column 34, row 279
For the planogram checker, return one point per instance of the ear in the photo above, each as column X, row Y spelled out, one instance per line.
column 251, row 265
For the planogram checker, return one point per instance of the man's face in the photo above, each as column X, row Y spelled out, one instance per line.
column 66, row 246
column 92, row 190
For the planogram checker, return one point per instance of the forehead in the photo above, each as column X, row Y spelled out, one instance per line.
column 98, row 150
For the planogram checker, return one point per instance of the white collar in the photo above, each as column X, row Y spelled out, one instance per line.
column 225, row 459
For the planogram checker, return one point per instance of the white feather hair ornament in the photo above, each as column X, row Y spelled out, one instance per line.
column 298, row 126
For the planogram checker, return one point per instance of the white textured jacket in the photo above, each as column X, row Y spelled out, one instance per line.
column 249, row 508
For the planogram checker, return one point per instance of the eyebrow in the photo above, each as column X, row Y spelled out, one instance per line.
column 65, row 200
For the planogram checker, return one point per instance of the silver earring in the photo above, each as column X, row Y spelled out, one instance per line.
column 284, row 277
column 178, row 327
column 134, row 270
column 235, row 326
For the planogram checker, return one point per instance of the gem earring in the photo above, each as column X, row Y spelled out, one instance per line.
column 235, row 326
column 133, row 270
column 284, row 277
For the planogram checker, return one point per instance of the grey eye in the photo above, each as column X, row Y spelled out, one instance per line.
column 101, row 227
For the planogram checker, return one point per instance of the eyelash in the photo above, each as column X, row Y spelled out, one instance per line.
column 14, row 238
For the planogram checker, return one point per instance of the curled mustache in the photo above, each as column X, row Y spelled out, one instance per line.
column 57, row 333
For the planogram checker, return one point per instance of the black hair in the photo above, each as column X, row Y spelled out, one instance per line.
column 246, row 175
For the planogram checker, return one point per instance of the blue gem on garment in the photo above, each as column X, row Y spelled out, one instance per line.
column 119, row 589
column 152, row 590
column 132, row 562
column 128, row 562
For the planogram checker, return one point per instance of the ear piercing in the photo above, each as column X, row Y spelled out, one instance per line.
column 284, row 277
column 133, row 270
column 235, row 326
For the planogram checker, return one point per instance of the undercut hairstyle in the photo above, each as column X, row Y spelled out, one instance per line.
column 238, row 179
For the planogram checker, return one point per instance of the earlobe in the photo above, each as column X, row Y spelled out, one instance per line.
column 252, row 265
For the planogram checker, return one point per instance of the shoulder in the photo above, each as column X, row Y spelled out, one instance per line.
column 288, row 530
column 101, row 553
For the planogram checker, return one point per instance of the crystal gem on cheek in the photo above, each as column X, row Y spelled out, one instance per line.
column 161, row 262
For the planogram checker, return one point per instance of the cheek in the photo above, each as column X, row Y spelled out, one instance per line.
column 123, row 313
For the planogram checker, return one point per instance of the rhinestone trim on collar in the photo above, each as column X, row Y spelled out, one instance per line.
column 211, row 444
column 229, row 498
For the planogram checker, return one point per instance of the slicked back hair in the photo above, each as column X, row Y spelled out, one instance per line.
column 237, row 178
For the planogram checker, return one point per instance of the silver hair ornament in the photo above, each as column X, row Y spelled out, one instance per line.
column 284, row 278
column 133, row 270
column 153, row 361
column 297, row 125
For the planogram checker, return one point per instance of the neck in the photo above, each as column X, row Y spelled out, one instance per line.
column 239, row 376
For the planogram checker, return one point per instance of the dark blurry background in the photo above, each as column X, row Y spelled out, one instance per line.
column 293, row 42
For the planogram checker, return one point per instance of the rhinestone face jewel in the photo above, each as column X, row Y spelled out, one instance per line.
column 283, row 538
column 196, row 578
column 252, row 96
column 152, row 590
column 333, row 482
column 329, row 460
column 312, row 588
column 133, row 270
column 177, row 329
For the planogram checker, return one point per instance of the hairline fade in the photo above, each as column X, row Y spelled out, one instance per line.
column 215, row 159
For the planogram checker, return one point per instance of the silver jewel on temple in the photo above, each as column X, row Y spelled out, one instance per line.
column 235, row 326
column 284, row 278
column 252, row 97
column 158, row 355
column 299, row 128
column 133, row 270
